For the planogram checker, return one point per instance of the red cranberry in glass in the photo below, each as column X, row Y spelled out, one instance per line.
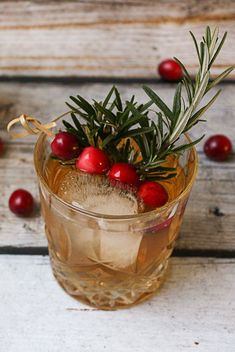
column 170, row 70
column 93, row 160
column 21, row 202
column 65, row 146
column 153, row 194
column 218, row 147
column 124, row 173
column 1, row 147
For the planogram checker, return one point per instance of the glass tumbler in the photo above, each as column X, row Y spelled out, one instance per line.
column 110, row 261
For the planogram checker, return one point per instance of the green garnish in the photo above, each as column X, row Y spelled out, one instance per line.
column 112, row 124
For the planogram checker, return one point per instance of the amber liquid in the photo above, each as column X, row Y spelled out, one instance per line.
column 115, row 265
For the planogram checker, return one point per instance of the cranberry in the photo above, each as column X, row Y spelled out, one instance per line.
column 65, row 146
column 218, row 147
column 93, row 161
column 1, row 147
column 21, row 202
column 170, row 70
column 153, row 194
column 124, row 173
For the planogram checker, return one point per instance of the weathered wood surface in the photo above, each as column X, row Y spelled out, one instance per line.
column 47, row 100
column 203, row 227
column 193, row 311
column 107, row 38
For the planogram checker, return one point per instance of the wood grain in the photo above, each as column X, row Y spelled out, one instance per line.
column 190, row 312
column 209, row 221
column 107, row 38
column 204, row 227
column 47, row 100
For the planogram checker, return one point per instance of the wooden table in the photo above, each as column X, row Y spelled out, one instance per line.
column 50, row 50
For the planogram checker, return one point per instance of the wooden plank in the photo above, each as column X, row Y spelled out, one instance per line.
column 107, row 38
column 47, row 100
column 193, row 311
column 202, row 228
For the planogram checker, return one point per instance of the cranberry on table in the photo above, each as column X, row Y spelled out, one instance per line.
column 124, row 173
column 93, row 160
column 218, row 147
column 1, row 147
column 21, row 202
column 65, row 146
column 153, row 194
column 170, row 70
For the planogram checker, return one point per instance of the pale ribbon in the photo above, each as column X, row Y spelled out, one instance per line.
column 38, row 127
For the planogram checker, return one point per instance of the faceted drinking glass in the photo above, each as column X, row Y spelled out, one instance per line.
column 111, row 261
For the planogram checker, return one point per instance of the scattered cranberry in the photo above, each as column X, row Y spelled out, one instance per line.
column 93, row 161
column 1, row 147
column 153, row 194
column 65, row 146
column 170, row 70
column 21, row 202
column 124, row 173
column 218, row 147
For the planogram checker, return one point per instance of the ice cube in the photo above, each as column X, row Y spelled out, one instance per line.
column 109, row 242
column 119, row 249
column 84, row 243
column 94, row 193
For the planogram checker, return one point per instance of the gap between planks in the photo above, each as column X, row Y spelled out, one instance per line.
column 91, row 80
column 177, row 253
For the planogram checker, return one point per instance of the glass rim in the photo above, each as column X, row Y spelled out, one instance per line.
column 92, row 214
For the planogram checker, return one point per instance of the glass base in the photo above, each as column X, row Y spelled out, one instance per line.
column 112, row 293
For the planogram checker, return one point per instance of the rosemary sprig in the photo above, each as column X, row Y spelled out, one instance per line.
column 109, row 125
column 112, row 125
column 159, row 143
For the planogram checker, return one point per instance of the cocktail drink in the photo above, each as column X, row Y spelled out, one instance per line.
column 114, row 184
column 105, row 248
